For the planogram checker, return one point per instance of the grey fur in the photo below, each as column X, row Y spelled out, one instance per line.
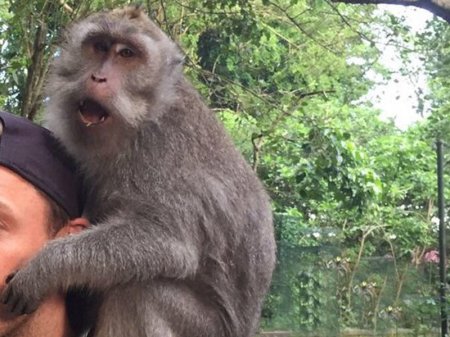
column 183, row 244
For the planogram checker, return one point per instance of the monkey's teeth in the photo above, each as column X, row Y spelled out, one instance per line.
column 91, row 113
column 84, row 120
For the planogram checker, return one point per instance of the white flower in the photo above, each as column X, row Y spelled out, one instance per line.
column 435, row 220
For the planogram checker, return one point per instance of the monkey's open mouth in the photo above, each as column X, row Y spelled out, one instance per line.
column 92, row 113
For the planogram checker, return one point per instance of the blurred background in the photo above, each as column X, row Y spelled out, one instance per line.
column 337, row 107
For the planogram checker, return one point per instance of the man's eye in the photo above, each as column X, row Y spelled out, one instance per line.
column 126, row 52
column 3, row 225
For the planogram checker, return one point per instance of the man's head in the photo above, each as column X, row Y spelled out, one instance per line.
column 32, row 152
column 39, row 201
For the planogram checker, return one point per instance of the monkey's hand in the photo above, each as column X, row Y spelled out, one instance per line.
column 23, row 294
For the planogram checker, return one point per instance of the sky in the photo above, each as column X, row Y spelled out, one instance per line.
column 397, row 99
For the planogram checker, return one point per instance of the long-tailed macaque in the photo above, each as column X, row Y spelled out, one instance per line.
column 183, row 244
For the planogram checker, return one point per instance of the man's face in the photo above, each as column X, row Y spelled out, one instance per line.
column 23, row 231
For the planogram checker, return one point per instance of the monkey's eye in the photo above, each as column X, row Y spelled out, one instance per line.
column 101, row 46
column 126, row 52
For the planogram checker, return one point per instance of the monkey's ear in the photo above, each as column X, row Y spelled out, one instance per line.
column 137, row 9
column 178, row 59
column 138, row 6
column 134, row 11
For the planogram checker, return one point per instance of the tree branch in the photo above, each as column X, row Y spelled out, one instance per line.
column 66, row 7
column 258, row 139
column 439, row 8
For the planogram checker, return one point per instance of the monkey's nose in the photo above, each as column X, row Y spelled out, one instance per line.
column 98, row 79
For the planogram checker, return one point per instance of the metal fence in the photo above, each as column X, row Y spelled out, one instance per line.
column 318, row 292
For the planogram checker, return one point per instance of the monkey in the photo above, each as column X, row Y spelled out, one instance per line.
column 183, row 241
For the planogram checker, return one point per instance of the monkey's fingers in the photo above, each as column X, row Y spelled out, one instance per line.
column 6, row 296
column 15, row 304
column 28, row 307
column 11, row 301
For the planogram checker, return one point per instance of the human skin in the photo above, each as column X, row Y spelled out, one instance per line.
column 24, row 230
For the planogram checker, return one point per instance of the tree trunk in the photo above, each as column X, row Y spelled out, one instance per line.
column 32, row 98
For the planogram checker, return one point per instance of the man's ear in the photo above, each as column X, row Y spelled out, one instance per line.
column 73, row 226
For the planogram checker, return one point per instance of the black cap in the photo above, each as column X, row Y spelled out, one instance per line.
column 32, row 152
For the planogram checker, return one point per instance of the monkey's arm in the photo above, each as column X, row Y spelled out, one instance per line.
column 126, row 248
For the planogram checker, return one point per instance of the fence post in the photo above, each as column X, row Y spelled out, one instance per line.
column 442, row 248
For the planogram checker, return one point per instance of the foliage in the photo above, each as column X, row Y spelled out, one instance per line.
column 288, row 79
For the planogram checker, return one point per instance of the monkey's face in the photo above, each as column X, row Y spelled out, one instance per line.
column 122, row 74
column 112, row 73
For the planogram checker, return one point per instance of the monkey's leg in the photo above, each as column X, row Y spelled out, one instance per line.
column 164, row 308
column 126, row 312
